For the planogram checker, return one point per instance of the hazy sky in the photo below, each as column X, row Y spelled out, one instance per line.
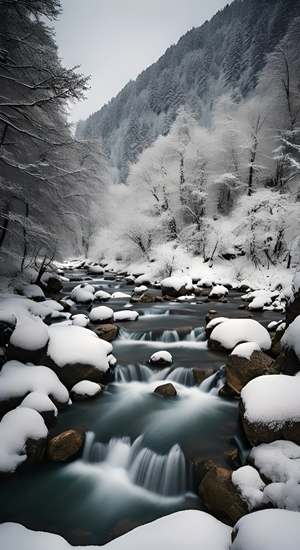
column 114, row 40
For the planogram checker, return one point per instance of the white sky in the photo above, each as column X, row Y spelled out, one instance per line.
column 114, row 40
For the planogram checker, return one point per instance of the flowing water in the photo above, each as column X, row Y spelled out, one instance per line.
column 136, row 464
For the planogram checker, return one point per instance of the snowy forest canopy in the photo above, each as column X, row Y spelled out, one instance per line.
column 207, row 143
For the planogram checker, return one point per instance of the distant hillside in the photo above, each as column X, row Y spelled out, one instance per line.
column 226, row 52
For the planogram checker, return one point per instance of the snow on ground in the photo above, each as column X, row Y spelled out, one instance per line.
column 72, row 344
column 80, row 320
column 40, row 402
column 17, row 379
column 218, row 291
column 86, row 388
column 15, row 308
column 250, row 485
column 101, row 313
column 245, row 350
column 190, row 529
column 16, row 427
column 268, row 530
column 161, row 357
column 32, row 291
column 30, row 334
column 126, row 315
column 291, row 337
column 272, row 399
column 234, row 331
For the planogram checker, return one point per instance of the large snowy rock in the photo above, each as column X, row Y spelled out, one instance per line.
column 102, row 295
column 23, row 433
column 220, row 495
column 17, row 380
column 270, row 408
column 227, row 335
column 245, row 363
column 176, row 286
column 83, row 293
column 213, row 323
column 41, row 403
column 188, row 530
column 250, row 486
column 101, row 314
column 33, row 291
column 76, row 354
column 28, row 340
column 267, row 530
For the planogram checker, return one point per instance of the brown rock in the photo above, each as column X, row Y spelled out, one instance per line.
column 227, row 393
column 107, row 331
column 166, row 390
column 65, row 446
column 201, row 374
column 239, row 370
column 257, row 432
column 287, row 362
column 220, row 496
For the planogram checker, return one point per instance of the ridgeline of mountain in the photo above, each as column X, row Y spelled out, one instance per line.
column 225, row 53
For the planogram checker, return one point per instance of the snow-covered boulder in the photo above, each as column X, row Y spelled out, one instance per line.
column 102, row 295
column 267, row 530
column 140, row 289
column 161, row 358
column 245, row 363
column 23, row 433
column 176, row 286
column 76, row 354
column 101, row 314
column 227, row 335
column 143, row 280
column 41, row 403
column 83, row 293
column 213, row 323
column 250, row 486
column 218, row 291
column 85, row 390
column 28, row 340
column 126, row 315
column 33, row 291
column 17, row 380
column 120, row 295
column 189, row 529
column 258, row 299
column 270, row 408
column 293, row 305
column 80, row 320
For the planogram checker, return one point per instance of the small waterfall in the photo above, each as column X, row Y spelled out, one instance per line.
column 169, row 336
column 213, row 383
column 167, row 475
column 142, row 373
column 166, row 336
column 133, row 373
column 183, row 376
